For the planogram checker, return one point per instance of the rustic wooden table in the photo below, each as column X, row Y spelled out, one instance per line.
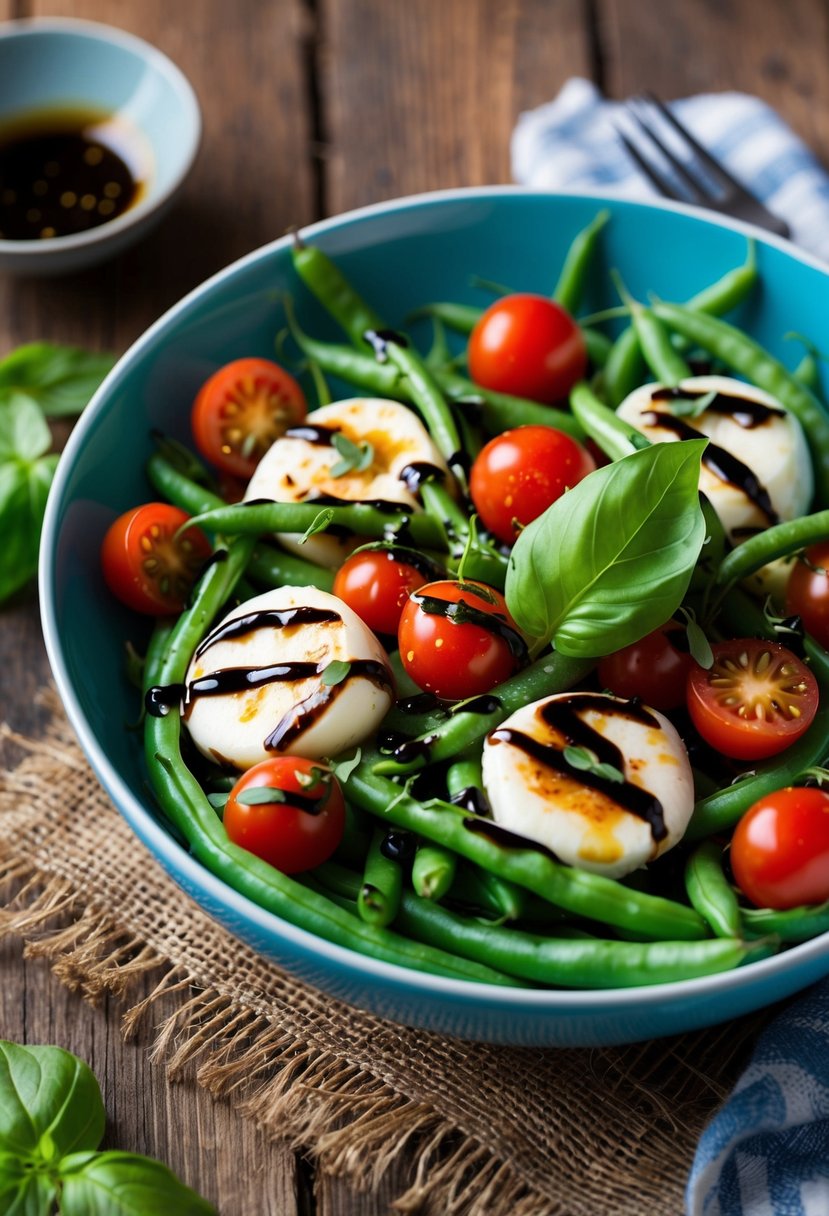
column 312, row 107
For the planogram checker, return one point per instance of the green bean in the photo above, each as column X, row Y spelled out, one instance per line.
column 780, row 540
column 666, row 363
column 749, row 359
column 710, row 892
column 578, row 891
column 429, row 399
column 808, row 372
column 460, row 318
column 156, row 652
column 255, row 518
column 614, row 436
column 356, row 837
column 792, row 925
column 464, row 775
column 433, row 870
column 598, row 346
column 182, row 799
column 730, row 290
column 379, row 897
column 573, row 962
column 500, row 411
column 480, row 560
column 328, row 283
column 479, row 888
column 552, row 673
column 570, row 286
column 624, row 369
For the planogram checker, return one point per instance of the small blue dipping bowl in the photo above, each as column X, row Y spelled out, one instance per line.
column 399, row 255
column 49, row 65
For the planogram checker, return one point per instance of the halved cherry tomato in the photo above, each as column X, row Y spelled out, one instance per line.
column 754, row 701
column 146, row 565
column 377, row 583
column 654, row 668
column 529, row 346
column 457, row 639
column 780, row 849
column 299, row 826
column 241, row 410
column 519, row 473
column 807, row 592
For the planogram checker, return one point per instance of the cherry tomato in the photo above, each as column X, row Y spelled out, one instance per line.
column 529, row 346
column 519, row 473
column 807, row 592
column 146, row 565
column 304, row 823
column 780, row 849
column 241, row 410
column 653, row 668
column 755, row 700
column 458, row 640
column 377, row 585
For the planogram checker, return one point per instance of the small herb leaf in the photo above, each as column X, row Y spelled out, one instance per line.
column 344, row 768
column 258, row 794
column 586, row 761
column 354, row 457
column 318, row 524
column 612, row 559
column 218, row 799
column 335, row 672
column 125, row 1184
column 691, row 407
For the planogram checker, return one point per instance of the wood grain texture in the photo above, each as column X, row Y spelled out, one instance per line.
column 680, row 47
column 424, row 95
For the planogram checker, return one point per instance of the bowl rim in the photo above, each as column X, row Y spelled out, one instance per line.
column 185, row 154
column 179, row 862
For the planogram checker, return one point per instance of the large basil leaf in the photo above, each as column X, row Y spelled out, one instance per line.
column 50, row 1103
column 124, row 1184
column 24, row 1192
column 25, row 477
column 60, row 379
column 612, row 558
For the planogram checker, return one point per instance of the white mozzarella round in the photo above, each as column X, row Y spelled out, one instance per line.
column 299, row 715
column 295, row 469
column 535, row 793
column 774, row 450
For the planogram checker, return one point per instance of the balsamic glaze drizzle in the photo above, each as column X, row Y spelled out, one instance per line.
column 461, row 611
column 747, row 414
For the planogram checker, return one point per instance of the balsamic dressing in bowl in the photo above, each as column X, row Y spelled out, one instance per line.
column 64, row 171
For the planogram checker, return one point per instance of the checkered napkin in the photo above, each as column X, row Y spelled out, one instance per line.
column 766, row 1152
column 571, row 144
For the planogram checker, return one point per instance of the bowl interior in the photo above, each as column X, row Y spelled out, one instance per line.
column 77, row 65
column 399, row 256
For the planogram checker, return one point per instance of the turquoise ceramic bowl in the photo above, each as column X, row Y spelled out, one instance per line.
column 63, row 64
column 399, row 255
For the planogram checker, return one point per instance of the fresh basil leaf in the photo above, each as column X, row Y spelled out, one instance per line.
column 691, row 407
column 260, row 794
column 24, row 487
column 50, row 1103
column 60, row 379
column 125, row 1184
column 335, row 672
column 611, row 559
column 24, row 432
column 586, row 761
column 24, row 1191
column 354, row 457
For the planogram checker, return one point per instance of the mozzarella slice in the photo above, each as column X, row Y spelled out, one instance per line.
column 763, row 442
column 255, row 686
column 588, row 821
column 298, row 467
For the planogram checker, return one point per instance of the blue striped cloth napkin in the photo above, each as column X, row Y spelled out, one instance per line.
column 766, row 1151
column 571, row 144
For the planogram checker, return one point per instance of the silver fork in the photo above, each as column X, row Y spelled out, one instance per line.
column 697, row 177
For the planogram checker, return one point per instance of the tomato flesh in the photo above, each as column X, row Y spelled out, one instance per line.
column 756, row 699
column 241, row 410
column 807, row 592
column 462, row 651
column 653, row 669
column 521, row 472
column 529, row 346
column 292, row 835
column 377, row 584
column 146, row 564
column 780, row 849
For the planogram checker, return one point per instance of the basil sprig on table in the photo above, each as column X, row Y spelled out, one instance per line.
column 51, row 1122
column 612, row 558
column 37, row 381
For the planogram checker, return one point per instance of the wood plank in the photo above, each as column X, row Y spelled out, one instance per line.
column 435, row 102
column 681, row 47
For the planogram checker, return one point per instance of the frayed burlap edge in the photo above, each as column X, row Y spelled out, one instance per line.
column 352, row 1124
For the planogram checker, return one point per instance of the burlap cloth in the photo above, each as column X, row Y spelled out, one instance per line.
column 491, row 1131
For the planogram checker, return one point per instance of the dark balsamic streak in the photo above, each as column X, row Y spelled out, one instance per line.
column 398, row 846
column 747, row 414
column 321, row 436
column 413, row 475
column 506, row 839
column 473, row 799
column 461, row 612
column 267, row 618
